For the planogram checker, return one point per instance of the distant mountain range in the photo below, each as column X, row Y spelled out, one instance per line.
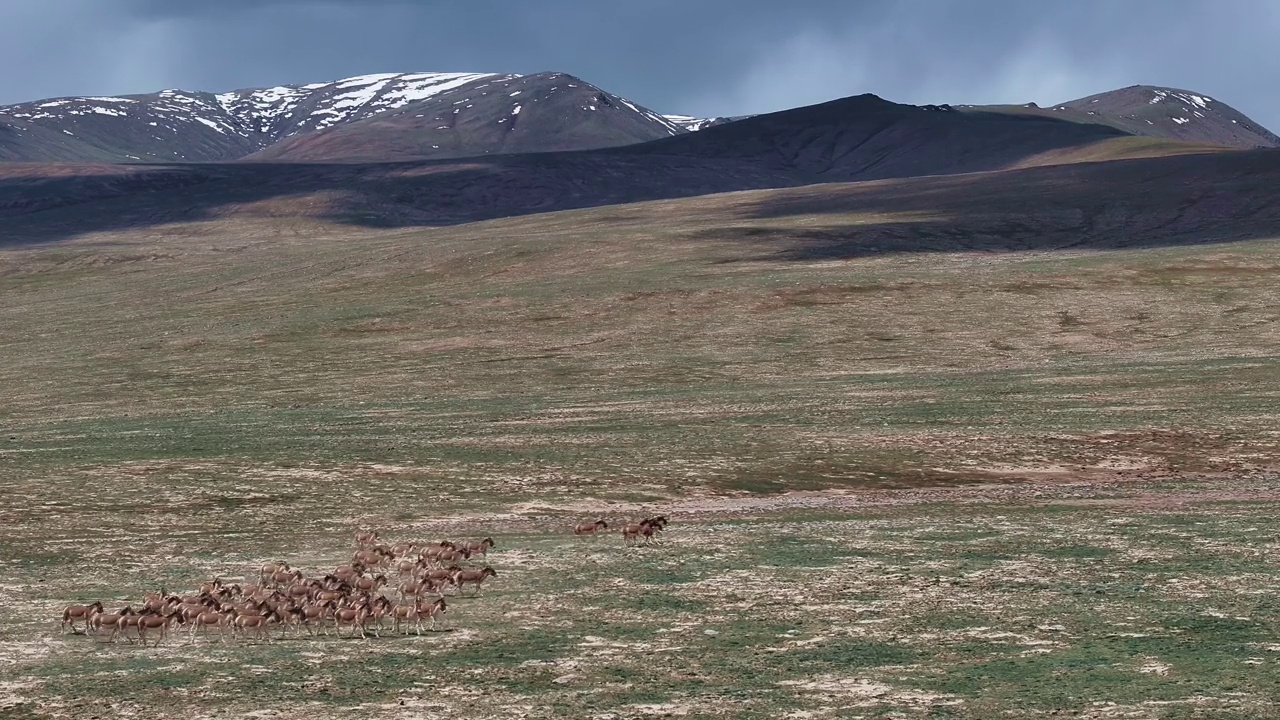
column 414, row 116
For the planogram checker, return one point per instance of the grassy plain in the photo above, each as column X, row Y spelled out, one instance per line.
column 943, row 483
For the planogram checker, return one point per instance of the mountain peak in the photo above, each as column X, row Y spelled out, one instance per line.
column 1169, row 112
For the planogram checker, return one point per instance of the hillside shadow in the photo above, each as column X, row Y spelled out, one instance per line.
column 1128, row 203
column 50, row 204
column 1124, row 204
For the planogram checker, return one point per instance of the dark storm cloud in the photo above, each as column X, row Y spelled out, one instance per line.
column 705, row 57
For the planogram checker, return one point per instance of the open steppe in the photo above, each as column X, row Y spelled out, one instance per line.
column 979, row 446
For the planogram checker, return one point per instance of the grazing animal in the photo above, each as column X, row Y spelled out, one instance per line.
column 590, row 528
column 364, row 539
column 85, row 613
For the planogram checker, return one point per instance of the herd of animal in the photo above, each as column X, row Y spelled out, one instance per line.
column 632, row 532
column 404, row 583
column 356, row 597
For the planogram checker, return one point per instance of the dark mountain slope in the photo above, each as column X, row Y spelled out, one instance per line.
column 866, row 137
column 545, row 112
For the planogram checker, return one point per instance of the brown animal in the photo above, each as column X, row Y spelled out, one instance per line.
column 318, row 614
column 259, row 624
column 72, row 613
column 353, row 617
column 403, row 548
column 416, row 612
column 364, row 539
column 469, row 576
column 633, row 531
column 431, row 553
column 370, row 584
column 271, row 568
column 111, row 621
column 406, row 567
column 590, row 528
column 658, row 522
column 477, row 547
column 154, row 622
column 281, row 578
column 210, row 618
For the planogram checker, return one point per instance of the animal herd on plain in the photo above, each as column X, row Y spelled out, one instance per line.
column 404, row 584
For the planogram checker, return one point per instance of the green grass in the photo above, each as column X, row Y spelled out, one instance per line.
column 893, row 478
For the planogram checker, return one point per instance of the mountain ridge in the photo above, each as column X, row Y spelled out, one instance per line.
column 394, row 116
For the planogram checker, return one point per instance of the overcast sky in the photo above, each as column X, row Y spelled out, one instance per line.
column 700, row 57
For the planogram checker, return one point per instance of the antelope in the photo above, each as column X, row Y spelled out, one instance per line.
column 366, row 538
column 79, row 612
column 590, row 528
column 463, row 577
column 212, row 586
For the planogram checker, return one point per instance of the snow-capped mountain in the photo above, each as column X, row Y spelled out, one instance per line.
column 182, row 126
column 405, row 116
column 1171, row 113
column 694, row 124
column 544, row 112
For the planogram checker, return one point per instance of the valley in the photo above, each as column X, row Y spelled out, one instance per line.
column 955, row 412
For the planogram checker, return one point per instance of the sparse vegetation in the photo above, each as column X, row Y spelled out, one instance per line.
column 902, row 485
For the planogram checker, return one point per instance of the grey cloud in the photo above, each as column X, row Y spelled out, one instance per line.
column 711, row 57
